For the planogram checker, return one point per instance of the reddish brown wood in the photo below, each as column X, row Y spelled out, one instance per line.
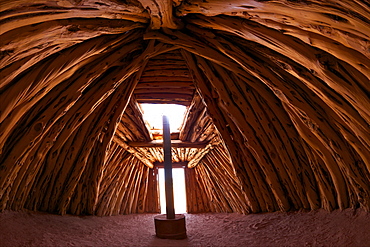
column 277, row 95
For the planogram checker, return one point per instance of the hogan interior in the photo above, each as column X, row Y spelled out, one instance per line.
column 277, row 96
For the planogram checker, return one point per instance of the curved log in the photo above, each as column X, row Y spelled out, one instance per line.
column 280, row 89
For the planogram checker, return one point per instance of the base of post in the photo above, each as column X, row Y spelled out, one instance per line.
column 170, row 228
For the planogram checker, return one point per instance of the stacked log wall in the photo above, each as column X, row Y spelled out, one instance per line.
column 303, row 102
column 212, row 185
column 62, row 134
column 286, row 84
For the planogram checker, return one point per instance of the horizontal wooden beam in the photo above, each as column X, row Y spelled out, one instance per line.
column 163, row 96
column 164, row 101
column 174, row 143
column 174, row 164
column 166, row 84
column 199, row 156
column 168, row 71
column 185, row 92
column 133, row 151
column 152, row 78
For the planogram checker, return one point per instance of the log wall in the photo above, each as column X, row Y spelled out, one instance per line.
column 284, row 87
column 212, row 185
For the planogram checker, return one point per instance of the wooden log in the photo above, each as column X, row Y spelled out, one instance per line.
column 134, row 151
column 208, row 191
column 163, row 92
column 313, row 114
column 168, row 72
column 171, row 84
column 113, row 185
column 234, row 153
column 222, row 175
column 80, row 199
column 198, row 125
column 207, row 202
column 219, row 60
column 53, row 133
column 24, row 95
column 170, row 208
column 132, row 124
column 259, row 142
column 161, row 14
column 61, row 103
column 194, row 162
column 306, row 18
column 114, row 195
column 286, row 47
column 143, row 191
column 112, row 170
column 281, row 124
column 133, row 198
column 193, row 112
column 105, row 132
column 41, row 42
column 25, row 17
column 220, row 124
column 96, row 152
column 73, row 123
column 174, row 143
column 196, row 202
column 336, row 174
column 152, row 203
column 325, row 185
column 322, row 105
column 171, row 97
column 129, row 189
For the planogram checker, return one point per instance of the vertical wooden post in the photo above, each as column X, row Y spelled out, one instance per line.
column 170, row 208
column 171, row 226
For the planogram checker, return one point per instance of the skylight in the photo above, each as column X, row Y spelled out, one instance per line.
column 153, row 113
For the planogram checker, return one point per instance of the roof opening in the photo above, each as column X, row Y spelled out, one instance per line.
column 152, row 114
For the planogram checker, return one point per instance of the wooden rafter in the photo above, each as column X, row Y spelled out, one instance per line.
column 134, row 152
column 174, row 143
column 161, row 14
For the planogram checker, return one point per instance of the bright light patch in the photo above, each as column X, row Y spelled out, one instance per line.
column 153, row 113
column 179, row 191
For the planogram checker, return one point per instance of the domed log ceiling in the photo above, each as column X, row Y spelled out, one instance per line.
column 277, row 95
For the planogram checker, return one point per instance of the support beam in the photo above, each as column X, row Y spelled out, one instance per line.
column 170, row 226
column 199, row 156
column 170, row 208
column 174, row 143
column 133, row 151
column 174, row 164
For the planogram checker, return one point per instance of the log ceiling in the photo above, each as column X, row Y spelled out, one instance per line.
column 165, row 80
column 277, row 95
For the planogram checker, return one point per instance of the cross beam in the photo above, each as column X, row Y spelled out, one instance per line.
column 174, row 164
column 174, row 143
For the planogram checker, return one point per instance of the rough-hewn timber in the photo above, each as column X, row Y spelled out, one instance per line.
column 279, row 89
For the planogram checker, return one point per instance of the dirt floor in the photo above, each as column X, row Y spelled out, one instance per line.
column 315, row 228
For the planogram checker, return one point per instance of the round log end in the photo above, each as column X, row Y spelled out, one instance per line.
column 170, row 228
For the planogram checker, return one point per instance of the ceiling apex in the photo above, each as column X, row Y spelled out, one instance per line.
column 161, row 12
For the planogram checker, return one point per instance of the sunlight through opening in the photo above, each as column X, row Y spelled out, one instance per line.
column 152, row 114
column 179, row 192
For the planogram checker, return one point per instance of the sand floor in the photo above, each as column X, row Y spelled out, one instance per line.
column 316, row 228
